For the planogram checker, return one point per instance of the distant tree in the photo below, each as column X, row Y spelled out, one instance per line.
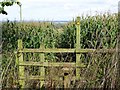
column 7, row 3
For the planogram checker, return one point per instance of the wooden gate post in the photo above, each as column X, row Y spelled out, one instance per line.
column 78, row 47
column 42, row 69
column 21, row 68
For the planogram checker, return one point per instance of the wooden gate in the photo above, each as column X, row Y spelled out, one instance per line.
column 42, row 64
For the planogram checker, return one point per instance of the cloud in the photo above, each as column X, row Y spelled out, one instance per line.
column 59, row 9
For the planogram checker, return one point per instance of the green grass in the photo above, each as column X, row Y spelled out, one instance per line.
column 97, row 32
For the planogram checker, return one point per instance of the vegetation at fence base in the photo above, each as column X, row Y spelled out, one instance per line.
column 97, row 32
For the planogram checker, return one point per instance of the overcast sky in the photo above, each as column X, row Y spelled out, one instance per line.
column 59, row 9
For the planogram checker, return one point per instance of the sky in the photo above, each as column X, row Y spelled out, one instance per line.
column 60, row 10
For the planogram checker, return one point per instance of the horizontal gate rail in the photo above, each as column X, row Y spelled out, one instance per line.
column 43, row 78
column 48, row 50
column 56, row 50
column 32, row 77
column 51, row 64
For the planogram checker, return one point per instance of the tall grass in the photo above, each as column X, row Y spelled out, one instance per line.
column 97, row 32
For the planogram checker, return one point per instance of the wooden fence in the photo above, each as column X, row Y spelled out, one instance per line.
column 42, row 64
